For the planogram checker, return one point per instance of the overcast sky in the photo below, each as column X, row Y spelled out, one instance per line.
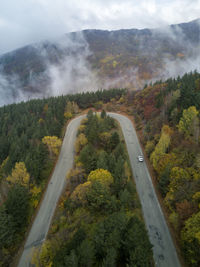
column 27, row 21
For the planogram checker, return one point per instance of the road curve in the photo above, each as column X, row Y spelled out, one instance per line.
column 163, row 248
column 44, row 216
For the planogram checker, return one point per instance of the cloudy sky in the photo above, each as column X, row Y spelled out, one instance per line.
column 27, row 21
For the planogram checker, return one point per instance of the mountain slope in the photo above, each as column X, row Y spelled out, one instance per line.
column 167, row 114
column 127, row 58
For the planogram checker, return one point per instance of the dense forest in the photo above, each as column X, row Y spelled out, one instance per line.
column 99, row 221
column 30, row 137
column 167, row 117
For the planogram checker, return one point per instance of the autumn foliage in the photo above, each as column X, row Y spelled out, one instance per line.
column 168, row 115
column 53, row 143
column 19, row 175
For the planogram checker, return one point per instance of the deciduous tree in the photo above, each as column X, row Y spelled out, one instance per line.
column 53, row 143
column 19, row 175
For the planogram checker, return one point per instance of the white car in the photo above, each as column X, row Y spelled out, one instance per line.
column 140, row 158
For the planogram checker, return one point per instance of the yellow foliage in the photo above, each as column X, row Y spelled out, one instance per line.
column 79, row 164
column 166, row 130
column 81, row 128
column 34, row 203
column 46, row 254
column 166, row 159
column 149, row 147
column 127, row 170
column 35, row 191
column 102, row 176
column 19, row 174
column 169, row 199
column 191, row 231
column 72, row 107
column 41, row 121
column 196, row 196
column 45, row 108
column 162, row 145
column 115, row 63
column 121, row 100
column 35, row 257
column 107, row 59
column 188, row 124
column 178, row 177
column 68, row 115
column 174, row 219
column 80, row 191
column 81, row 141
column 53, row 143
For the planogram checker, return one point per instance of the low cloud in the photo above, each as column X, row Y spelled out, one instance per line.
column 67, row 70
column 23, row 22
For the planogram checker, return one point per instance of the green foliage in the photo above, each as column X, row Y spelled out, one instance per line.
column 24, row 159
column 103, row 114
column 95, row 216
column 136, row 246
column 149, row 147
column 17, row 205
column 7, row 229
column 175, row 102
column 164, row 181
column 124, row 237
column 100, row 200
column 14, row 215
column 88, row 158
column 103, row 161
column 119, row 151
column 114, row 140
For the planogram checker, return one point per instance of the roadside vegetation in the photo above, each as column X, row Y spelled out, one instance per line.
column 167, row 118
column 30, row 138
column 99, row 220
column 166, row 115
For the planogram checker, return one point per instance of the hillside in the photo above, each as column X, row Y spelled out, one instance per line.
column 94, row 59
column 99, row 212
column 167, row 118
column 30, row 138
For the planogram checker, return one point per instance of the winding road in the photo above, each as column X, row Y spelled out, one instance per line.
column 163, row 248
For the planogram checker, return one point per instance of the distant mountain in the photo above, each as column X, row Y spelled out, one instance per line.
column 126, row 58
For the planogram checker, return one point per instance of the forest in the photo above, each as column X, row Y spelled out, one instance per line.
column 166, row 115
column 167, row 119
column 99, row 220
column 30, row 136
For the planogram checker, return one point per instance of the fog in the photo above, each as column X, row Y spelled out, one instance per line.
column 68, row 70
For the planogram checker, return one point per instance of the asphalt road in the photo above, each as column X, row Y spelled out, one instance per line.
column 163, row 248
column 44, row 216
